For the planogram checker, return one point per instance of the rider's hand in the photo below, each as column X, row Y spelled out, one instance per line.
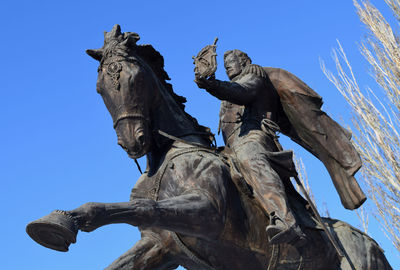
column 205, row 83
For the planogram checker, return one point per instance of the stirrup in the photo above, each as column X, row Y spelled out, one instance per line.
column 290, row 236
column 279, row 233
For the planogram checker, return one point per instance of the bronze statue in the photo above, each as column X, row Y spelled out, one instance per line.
column 250, row 112
column 191, row 205
column 253, row 147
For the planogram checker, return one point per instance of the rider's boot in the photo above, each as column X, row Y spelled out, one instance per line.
column 279, row 232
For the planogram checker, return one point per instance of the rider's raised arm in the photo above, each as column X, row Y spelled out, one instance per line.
column 241, row 92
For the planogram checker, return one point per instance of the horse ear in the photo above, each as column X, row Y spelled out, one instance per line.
column 130, row 39
column 96, row 54
column 115, row 31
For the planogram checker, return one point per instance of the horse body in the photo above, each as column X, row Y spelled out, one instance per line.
column 229, row 238
column 241, row 243
column 187, row 206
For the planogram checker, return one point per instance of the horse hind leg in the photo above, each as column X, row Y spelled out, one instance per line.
column 361, row 252
column 148, row 253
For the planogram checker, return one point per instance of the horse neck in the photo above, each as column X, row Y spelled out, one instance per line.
column 168, row 117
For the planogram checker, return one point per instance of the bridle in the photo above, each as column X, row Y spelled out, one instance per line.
column 113, row 69
column 130, row 116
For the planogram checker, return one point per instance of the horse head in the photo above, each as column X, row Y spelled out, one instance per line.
column 133, row 84
column 125, row 82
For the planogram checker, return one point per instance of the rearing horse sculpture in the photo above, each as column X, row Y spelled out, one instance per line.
column 189, row 210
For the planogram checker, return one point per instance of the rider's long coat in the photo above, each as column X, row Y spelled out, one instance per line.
column 304, row 122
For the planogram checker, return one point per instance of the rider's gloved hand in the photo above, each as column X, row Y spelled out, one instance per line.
column 204, row 83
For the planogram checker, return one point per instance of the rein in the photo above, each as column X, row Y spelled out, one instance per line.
column 171, row 137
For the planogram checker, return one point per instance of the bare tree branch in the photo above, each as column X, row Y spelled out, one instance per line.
column 376, row 115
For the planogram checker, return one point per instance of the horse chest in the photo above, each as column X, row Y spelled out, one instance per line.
column 176, row 175
column 143, row 189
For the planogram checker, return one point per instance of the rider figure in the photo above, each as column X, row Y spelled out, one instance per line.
column 248, row 118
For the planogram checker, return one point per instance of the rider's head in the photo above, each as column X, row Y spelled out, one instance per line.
column 234, row 62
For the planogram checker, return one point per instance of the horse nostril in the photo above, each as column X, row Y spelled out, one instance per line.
column 122, row 145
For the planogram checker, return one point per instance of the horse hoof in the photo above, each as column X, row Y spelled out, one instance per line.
column 55, row 231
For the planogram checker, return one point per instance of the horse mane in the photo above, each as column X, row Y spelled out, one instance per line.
column 156, row 62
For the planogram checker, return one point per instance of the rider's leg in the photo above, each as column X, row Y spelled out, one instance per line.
column 268, row 190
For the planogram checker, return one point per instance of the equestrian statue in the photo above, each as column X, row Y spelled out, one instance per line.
column 231, row 207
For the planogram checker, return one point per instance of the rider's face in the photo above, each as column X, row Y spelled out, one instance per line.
column 232, row 65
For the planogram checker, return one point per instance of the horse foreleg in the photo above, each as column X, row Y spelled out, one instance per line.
column 194, row 214
column 148, row 253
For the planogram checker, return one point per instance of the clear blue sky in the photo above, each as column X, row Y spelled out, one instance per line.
column 58, row 147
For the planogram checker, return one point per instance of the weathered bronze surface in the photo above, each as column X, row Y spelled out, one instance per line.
column 192, row 204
